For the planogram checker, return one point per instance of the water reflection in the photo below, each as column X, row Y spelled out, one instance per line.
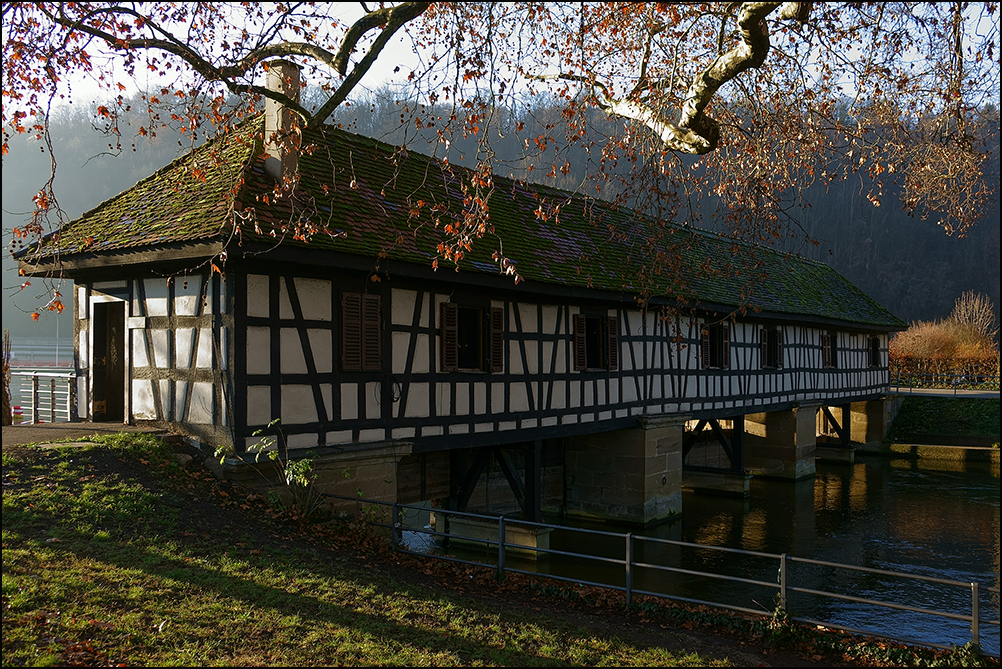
column 931, row 518
column 899, row 515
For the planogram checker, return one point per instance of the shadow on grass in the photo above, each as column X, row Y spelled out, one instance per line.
column 316, row 610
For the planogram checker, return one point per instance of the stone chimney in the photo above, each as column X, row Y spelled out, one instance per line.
column 281, row 140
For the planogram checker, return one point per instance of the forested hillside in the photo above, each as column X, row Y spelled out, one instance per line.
column 909, row 265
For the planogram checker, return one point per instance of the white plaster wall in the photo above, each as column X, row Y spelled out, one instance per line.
column 200, row 411
column 161, row 348
column 143, row 407
column 298, row 405
column 156, row 296
column 293, row 359
column 139, row 357
column 418, row 401
column 258, row 405
column 187, row 297
column 82, row 303
column 258, row 350
column 184, row 342
column 166, row 398
column 314, row 298
column 373, row 397
column 203, row 358
column 306, row 440
column 402, row 306
column 349, row 401
column 257, row 296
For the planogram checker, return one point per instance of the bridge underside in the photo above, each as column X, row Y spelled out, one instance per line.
column 633, row 475
column 636, row 475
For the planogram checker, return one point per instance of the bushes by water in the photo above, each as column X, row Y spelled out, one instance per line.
column 947, row 416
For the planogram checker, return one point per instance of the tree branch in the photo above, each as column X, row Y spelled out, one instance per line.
column 696, row 132
column 394, row 19
column 391, row 18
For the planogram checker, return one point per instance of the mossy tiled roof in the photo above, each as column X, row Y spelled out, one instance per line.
column 360, row 196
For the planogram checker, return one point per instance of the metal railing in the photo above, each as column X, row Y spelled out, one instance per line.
column 955, row 382
column 630, row 564
column 47, row 397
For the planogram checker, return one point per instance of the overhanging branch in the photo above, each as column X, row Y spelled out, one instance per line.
column 696, row 132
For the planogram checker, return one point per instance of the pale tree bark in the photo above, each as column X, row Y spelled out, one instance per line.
column 696, row 132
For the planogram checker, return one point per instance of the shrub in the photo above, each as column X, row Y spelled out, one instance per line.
column 961, row 345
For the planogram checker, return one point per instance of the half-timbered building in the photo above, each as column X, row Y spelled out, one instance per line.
column 209, row 301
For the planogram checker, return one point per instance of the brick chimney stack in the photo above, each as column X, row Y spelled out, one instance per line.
column 281, row 142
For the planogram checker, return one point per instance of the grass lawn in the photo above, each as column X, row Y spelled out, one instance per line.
column 113, row 555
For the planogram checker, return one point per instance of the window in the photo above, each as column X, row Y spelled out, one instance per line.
column 874, row 351
column 771, row 347
column 596, row 342
column 829, row 354
column 472, row 338
column 361, row 333
column 715, row 346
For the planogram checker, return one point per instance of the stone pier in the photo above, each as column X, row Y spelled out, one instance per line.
column 871, row 420
column 781, row 444
column 368, row 471
column 632, row 475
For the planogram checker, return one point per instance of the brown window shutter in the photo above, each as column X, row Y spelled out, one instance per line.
column 449, row 330
column 763, row 347
column 496, row 348
column 613, row 343
column 778, row 334
column 372, row 350
column 704, row 346
column 725, row 346
column 580, row 347
column 351, row 332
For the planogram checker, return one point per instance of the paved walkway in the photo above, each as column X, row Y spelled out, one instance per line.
column 945, row 392
column 15, row 435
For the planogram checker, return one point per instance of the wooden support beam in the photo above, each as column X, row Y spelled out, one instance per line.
column 722, row 439
column 532, row 510
column 846, row 424
column 738, row 444
column 511, row 473
column 732, row 446
column 840, row 428
column 461, row 496
column 691, row 437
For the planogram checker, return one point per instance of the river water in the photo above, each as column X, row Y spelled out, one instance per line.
column 930, row 518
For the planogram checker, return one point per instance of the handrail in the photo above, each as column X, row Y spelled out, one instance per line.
column 943, row 381
column 782, row 586
column 52, row 395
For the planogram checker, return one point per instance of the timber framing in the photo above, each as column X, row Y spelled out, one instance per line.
column 341, row 338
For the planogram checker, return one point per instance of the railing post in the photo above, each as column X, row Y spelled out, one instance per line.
column 782, row 581
column 395, row 541
column 629, row 569
column 975, row 615
column 52, row 400
column 71, row 401
column 501, row 552
column 34, row 397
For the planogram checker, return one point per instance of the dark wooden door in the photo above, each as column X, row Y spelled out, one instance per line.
column 109, row 361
